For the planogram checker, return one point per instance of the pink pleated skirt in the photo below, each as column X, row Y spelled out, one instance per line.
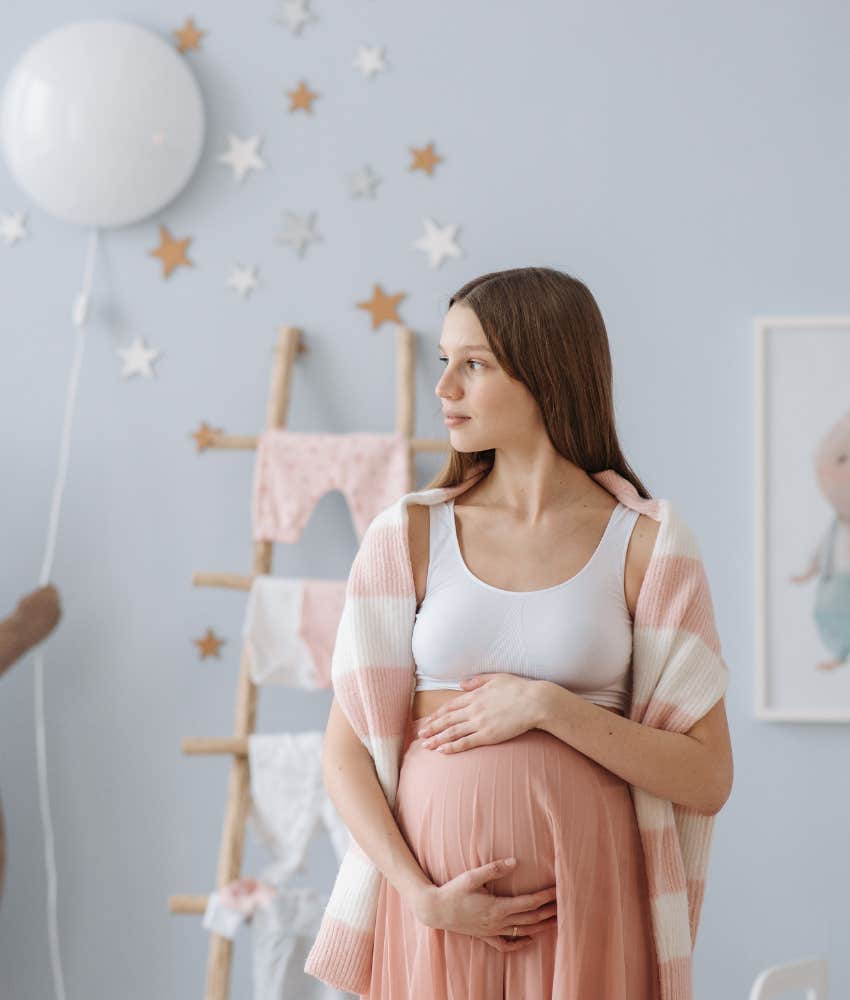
column 570, row 823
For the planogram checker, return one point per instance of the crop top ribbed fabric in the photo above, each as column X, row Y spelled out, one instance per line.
column 577, row 633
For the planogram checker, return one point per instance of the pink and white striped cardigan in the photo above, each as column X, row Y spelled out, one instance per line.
column 678, row 675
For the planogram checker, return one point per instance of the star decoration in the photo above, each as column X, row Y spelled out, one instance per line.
column 363, row 182
column 369, row 61
column 205, row 436
column 438, row 243
column 424, row 159
column 242, row 156
column 209, row 644
column 12, row 227
column 172, row 252
column 302, row 98
column 243, row 280
column 188, row 36
column 299, row 231
column 382, row 306
column 295, row 14
column 138, row 359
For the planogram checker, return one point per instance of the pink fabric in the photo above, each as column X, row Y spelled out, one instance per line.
column 569, row 822
column 295, row 469
column 290, row 628
column 321, row 610
column 246, row 894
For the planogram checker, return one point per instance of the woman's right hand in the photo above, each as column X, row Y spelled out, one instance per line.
column 464, row 906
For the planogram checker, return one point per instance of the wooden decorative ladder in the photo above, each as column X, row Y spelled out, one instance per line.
column 290, row 343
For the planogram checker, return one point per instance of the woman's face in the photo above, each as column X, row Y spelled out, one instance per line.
column 500, row 410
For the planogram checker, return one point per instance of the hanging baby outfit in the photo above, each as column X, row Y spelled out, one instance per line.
column 289, row 630
column 284, row 923
column 294, row 470
column 282, row 935
column 288, row 804
column 235, row 904
column 289, row 800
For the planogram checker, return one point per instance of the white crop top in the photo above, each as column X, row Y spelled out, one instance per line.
column 577, row 633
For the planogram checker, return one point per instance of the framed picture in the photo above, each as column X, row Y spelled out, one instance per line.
column 802, row 518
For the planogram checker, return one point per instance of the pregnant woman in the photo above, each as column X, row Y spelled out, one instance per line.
column 511, row 860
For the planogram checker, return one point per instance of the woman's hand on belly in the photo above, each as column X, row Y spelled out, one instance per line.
column 492, row 708
column 464, row 906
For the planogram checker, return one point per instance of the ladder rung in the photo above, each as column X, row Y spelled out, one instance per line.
column 236, row 745
column 234, row 581
column 230, row 442
column 187, row 904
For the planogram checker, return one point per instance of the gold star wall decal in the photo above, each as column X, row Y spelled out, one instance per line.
column 383, row 307
column 209, row 644
column 188, row 36
column 171, row 252
column 205, row 435
column 302, row 98
column 425, row 159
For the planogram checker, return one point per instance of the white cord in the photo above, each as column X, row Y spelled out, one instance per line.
column 79, row 315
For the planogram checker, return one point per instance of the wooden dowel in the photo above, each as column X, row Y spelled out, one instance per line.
column 185, row 903
column 235, row 581
column 237, row 745
column 247, row 441
column 429, row 444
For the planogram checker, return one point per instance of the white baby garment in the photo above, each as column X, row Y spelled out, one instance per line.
column 290, row 628
column 288, row 799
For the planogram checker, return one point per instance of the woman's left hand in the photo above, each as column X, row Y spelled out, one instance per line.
column 494, row 707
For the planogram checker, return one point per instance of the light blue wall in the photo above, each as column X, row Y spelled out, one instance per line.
column 689, row 162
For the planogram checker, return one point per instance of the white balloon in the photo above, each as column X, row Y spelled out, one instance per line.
column 102, row 122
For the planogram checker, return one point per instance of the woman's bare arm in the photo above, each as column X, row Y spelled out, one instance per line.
column 353, row 786
column 349, row 771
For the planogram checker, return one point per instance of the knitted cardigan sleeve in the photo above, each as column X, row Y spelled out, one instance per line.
column 372, row 670
column 679, row 675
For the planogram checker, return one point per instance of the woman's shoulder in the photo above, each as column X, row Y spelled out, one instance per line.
column 418, row 525
column 638, row 555
column 669, row 537
column 418, row 520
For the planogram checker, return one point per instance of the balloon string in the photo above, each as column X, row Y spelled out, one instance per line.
column 79, row 316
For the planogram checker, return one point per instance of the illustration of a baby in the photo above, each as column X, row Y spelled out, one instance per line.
column 831, row 558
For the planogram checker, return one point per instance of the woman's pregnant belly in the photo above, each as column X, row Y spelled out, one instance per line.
column 532, row 797
column 568, row 821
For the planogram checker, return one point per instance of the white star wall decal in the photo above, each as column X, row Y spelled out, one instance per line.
column 369, row 60
column 438, row 243
column 12, row 227
column 242, row 156
column 299, row 231
column 137, row 359
column 295, row 14
column 243, row 280
column 363, row 182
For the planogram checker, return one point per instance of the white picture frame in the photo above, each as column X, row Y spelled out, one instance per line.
column 800, row 363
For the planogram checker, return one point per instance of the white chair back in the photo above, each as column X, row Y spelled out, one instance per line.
column 809, row 975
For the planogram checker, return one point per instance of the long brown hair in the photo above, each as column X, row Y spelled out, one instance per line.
column 546, row 330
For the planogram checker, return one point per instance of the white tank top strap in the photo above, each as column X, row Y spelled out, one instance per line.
column 615, row 541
